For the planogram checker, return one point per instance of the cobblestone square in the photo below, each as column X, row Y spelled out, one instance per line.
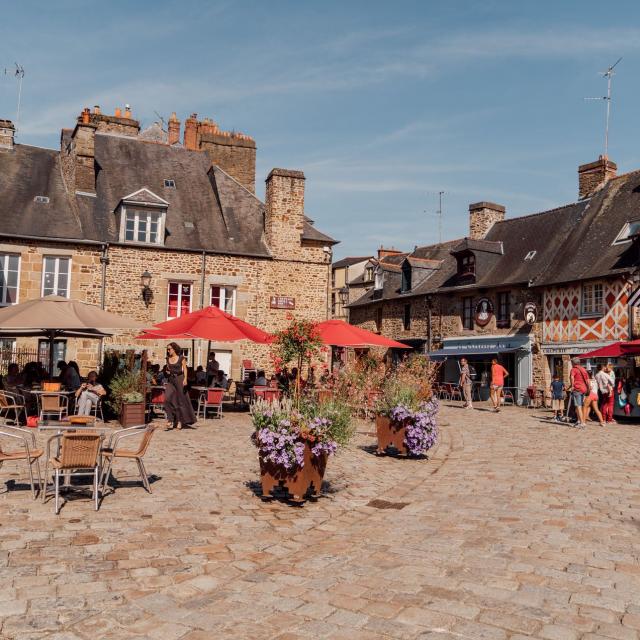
column 516, row 527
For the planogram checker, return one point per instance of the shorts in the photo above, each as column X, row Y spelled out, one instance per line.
column 497, row 386
column 557, row 404
column 578, row 398
column 593, row 397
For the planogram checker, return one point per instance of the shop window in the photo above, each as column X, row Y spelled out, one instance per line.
column 467, row 313
column 379, row 319
column 55, row 276
column 407, row 317
column 592, row 297
column 179, row 302
column 9, row 275
column 503, row 319
column 224, row 298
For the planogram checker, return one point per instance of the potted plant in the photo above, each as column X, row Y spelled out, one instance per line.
column 127, row 398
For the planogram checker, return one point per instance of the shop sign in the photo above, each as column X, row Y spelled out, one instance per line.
column 484, row 312
column 530, row 313
column 569, row 349
column 283, row 302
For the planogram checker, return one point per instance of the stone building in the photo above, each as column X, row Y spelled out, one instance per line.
column 114, row 204
column 342, row 273
column 535, row 290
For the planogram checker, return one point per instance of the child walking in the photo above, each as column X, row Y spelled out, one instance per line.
column 557, row 388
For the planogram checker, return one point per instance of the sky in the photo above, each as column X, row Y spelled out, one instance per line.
column 381, row 104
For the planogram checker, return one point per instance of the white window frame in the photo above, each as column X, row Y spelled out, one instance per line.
column 56, row 275
column 4, row 268
column 623, row 236
column 137, row 211
column 593, row 311
column 223, row 298
column 180, row 284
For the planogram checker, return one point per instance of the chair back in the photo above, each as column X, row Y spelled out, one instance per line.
column 4, row 403
column 146, row 439
column 214, row 396
column 51, row 386
column 260, row 392
column 80, row 450
column 247, row 364
column 157, row 396
column 271, row 394
column 229, row 383
column 51, row 403
column 531, row 392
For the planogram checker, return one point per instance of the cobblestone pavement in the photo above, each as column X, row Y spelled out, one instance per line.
column 514, row 528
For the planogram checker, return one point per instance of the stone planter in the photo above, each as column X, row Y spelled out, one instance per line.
column 390, row 434
column 299, row 483
column 132, row 414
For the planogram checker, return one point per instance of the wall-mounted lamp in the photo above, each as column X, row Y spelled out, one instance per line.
column 344, row 296
column 147, row 293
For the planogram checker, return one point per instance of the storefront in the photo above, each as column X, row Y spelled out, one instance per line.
column 513, row 352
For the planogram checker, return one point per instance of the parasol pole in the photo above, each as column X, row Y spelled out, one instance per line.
column 52, row 334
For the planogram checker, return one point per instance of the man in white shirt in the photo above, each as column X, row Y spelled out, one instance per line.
column 606, row 384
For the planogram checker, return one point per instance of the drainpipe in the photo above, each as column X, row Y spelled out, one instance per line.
column 429, row 306
column 193, row 342
column 104, row 261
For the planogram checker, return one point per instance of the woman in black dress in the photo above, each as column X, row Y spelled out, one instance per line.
column 177, row 403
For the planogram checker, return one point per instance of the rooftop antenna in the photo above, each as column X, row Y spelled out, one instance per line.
column 439, row 214
column 19, row 74
column 608, row 74
column 160, row 118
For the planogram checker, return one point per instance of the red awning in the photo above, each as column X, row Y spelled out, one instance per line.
column 339, row 333
column 209, row 323
column 615, row 350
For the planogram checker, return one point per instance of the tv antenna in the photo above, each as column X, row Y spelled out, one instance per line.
column 608, row 74
column 439, row 214
column 160, row 118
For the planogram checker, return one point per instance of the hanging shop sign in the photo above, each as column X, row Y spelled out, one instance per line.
column 484, row 312
column 283, row 302
column 530, row 313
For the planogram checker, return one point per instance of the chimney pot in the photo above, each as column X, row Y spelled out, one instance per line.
column 85, row 115
column 96, row 109
column 127, row 111
column 174, row 129
column 118, row 112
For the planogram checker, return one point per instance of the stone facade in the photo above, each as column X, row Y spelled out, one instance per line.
column 7, row 132
column 482, row 216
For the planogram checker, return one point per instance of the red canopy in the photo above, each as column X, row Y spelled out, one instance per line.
column 209, row 323
column 339, row 333
column 615, row 350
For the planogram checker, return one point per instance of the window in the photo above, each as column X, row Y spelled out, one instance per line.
column 503, row 318
column 55, row 276
column 7, row 347
column 368, row 274
column 170, row 184
column 406, row 323
column 467, row 313
column 179, row 299
column 379, row 279
column 467, row 265
column 41, row 199
column 333, row 304
column 141, row 225
column 531, row 255
column 9, row 275
column 406, row 277
column 629, row 230
column 592, row 299
column 379, row 318
column 224, row 298
column 59, row 353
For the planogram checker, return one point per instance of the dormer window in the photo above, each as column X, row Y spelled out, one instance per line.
column 379, row 280
column 170, row 184
column 628, row 232
column 368, row 274
column 406, row 277
column 467, row 266
column 142, row 218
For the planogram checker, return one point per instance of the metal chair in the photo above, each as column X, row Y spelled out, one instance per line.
column 97, row 408
column 532, row 397
column 508, row 396
column 211, row 399
column 78, row 455
column 157, row 400
column 114, row 450
column 12, row 403
column 455, row 393
column 53, row 404
column 29, row 452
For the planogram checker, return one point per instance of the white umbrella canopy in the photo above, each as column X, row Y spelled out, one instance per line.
column 55, row 316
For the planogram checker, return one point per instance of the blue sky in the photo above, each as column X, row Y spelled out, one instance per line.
column 381, row 104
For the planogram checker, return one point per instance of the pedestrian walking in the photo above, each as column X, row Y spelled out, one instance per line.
column 557, row 388
column 606, row 385
column 177, row 404
column 498, row 374
column 579, row 388
column 465, row 383
column 591, row 400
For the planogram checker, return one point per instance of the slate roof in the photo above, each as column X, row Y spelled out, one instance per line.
column 208, row 210
column 567, row 244
column 350, row 260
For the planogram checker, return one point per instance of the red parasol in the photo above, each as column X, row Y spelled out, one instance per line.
column 615, row 350
column 209, row 323
column 339, row 333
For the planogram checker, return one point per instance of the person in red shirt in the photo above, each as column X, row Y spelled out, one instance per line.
column 579, row 388
column 498, row 374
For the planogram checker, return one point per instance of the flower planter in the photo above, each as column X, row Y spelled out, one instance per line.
column 390, row 433
column 274, row 476
column 314, row 467
column 132, row 414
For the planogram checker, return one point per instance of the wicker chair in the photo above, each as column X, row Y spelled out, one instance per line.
column 54, row 404
column 114, row 450
column 12, row 403
column 29, row 451
column 78, row 455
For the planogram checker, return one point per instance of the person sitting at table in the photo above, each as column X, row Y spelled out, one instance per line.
column 70, row 376
column 221, row 380
column 201, row 376
column 88, row 394
column 261, row 380
column 13, row 378
column 163, row 375
column 250, row 380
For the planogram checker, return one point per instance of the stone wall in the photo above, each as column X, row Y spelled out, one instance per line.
column 482, row 216
column 234, row 155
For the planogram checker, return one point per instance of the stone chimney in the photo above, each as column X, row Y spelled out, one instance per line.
column 593, row 176
column 191, row 132
column 383, row 253
column 482, row 216
column 284, row 212
column 174, row 129
column 78, row 154
column 7, row 132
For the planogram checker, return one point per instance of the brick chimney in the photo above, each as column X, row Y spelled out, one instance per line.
column 482, row 216
column 593, row 176
column 174, row 129
column 191, row 132
column 77, row 154
column 7, row 133
column 383, row 253
column 284, row 212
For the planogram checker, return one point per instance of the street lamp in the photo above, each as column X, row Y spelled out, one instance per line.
column 147, row 292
